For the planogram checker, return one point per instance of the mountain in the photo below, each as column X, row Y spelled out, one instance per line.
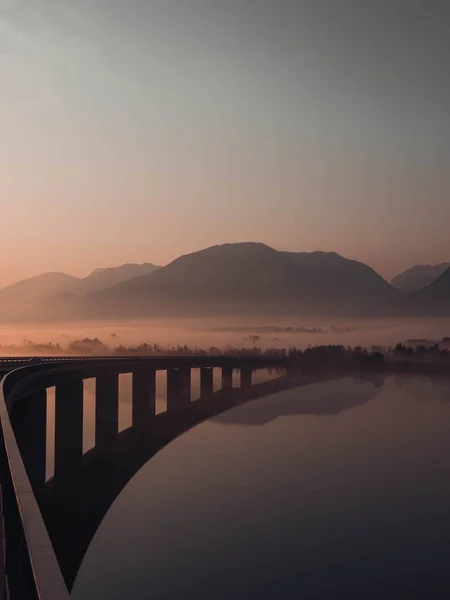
column 31, row 298
column 434, row 299
column 230, row 277
column 342, row 282
column 246, row 278
column 101, row 279
column 418, row 277
column 18, row 299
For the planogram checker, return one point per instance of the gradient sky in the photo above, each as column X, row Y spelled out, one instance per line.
column 139, row 130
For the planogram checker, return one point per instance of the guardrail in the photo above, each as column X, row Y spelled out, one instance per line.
column 27, row 360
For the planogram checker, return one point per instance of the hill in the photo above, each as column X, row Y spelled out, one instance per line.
column 418, row 277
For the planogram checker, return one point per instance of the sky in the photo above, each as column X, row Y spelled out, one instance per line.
column 140, row 130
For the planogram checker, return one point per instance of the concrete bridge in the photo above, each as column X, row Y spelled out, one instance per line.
column 48, row 525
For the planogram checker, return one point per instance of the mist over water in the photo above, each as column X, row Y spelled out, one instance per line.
column 221, row 332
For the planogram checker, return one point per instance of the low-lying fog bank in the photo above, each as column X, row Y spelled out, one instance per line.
column 220, row 333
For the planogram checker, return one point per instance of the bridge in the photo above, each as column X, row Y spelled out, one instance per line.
column 49, row 524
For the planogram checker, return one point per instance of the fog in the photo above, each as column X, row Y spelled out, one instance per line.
column 236, row 332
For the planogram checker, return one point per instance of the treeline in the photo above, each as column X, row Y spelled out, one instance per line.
column 95, row 347
column 29, row 347
column 422, row 351
column 278, row 329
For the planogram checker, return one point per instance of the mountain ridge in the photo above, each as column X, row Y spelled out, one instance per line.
column 239, row 278
column 418, row 277
column 244, row 277
column 433, row 299
column 24, row 297
column 107, row 277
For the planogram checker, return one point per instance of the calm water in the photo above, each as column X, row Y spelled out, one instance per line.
column 338, row 490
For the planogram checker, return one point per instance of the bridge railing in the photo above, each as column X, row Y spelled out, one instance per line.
column 31, row 569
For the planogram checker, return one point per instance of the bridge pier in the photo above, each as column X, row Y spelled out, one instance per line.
column 206, row 381
column 174, row 402
column 185, row 385
column 31, row 435
column 106, row 409
column 227, row 378
column 178, row 389
column 246, row 378
column 68, row 427
column 144, row 395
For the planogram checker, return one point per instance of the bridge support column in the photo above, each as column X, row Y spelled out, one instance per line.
column 185, row 384
column 227, row 378
column 68, row 427
column 178, row 389
column 246, row 378
column 106, row 409
column 174, row 399
column 31, row 433
column 144, row 395
column 206, row 381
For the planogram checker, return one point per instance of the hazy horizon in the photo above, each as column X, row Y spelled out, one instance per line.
column 139, row 131
column 223, row 331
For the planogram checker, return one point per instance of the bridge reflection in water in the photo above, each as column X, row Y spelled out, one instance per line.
column 79, row 465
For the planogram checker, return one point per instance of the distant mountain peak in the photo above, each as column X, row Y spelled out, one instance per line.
column 418, row 277
column 18, row 299
column 28, row 296
column 124, row 266
column 96, row 272
column 107, row 277
column 433, row 299
column 49, row 277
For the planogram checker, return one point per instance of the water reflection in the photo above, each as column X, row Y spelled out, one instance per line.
column 334, row 490
column 330, row 398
